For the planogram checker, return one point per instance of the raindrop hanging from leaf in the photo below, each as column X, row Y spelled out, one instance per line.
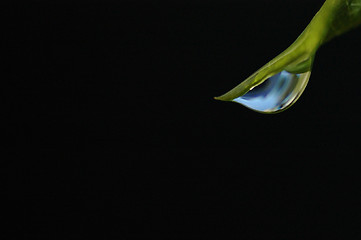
column 279, row 83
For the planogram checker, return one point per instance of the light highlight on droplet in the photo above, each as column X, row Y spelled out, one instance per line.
column 276, row 93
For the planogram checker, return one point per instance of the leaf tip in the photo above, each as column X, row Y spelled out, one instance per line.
column 219, row 98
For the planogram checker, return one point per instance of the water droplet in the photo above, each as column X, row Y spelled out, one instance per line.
column 276, row 93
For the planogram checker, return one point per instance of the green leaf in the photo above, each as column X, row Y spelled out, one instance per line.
column 334, row 18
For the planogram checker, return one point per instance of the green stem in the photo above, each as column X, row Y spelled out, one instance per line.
column 334, row 18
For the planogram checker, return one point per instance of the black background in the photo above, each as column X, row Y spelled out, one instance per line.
column 113, row 130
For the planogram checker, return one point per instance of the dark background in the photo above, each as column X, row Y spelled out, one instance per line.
column 113, row 130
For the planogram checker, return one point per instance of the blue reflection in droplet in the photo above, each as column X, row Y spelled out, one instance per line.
column 276, row 93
